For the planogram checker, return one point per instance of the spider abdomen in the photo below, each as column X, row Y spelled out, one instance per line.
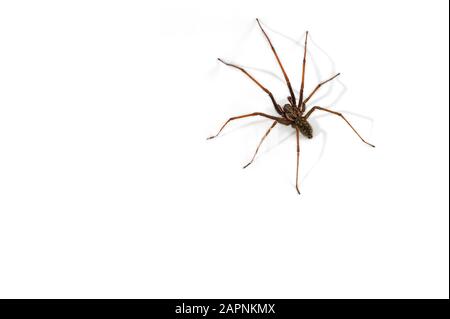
column 304, row 127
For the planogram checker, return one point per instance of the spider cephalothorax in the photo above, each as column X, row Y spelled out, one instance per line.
column 292, row 114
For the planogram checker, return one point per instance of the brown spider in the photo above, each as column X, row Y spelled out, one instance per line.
column 291, row 114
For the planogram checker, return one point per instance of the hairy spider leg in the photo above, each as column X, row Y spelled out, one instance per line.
column 265, row 135
column 318, row 87
column 297, row 133
column 301, row 105
column 277, row 107
column 278, row 119
column 338, row 114
column 279, row 62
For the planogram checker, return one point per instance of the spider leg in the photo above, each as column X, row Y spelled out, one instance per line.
column 265, row 135
column 278, row 119
column 277, row 107
column 298, row 159
column 301, row 105
column 318, row 87
column 338, row 114
column 279, row 62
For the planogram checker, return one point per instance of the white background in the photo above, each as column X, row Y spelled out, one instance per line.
column 108, row 187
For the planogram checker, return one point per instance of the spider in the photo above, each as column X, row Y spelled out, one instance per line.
column 291, row 114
